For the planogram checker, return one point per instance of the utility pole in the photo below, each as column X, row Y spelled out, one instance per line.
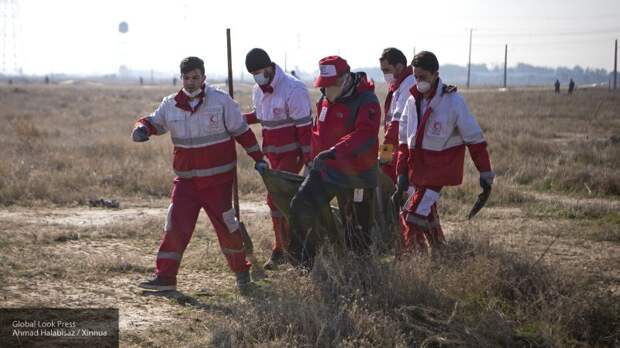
column 230, row 74
column 248, row 245
column 505, row 64
column 469, row 61
column 616, row 66
column 413, row 53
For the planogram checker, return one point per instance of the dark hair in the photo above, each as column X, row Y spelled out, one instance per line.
column 190, row 63
column 393, row 56
column 426, row 60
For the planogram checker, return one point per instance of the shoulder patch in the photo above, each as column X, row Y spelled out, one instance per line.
column 449, row 88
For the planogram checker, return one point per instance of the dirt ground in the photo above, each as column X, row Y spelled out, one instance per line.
column 66, row 254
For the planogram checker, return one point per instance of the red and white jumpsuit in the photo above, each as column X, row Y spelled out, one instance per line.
column 433, row 134
column 398, row 93
column 284, row 110
column 203, row 134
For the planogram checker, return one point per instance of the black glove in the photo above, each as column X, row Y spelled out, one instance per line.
column 326, row 154
column 140, row 134
column 402, row 184
column 261, row 167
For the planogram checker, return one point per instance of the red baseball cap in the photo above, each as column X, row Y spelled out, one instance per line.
column 331, row 68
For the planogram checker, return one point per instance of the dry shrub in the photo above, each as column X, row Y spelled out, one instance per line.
column 472, row 295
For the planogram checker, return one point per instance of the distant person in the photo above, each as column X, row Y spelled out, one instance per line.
column 10, row 81
column 141, row 81
column 204, row 124
column 571, row 86
column 399, row 77
column 47, row 80
column 435, row 128
column 283, row 108
column 557, row 86
column 294, row 74
column 174, row 81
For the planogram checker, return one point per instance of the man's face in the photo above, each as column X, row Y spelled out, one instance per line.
column 334, row 91
column 425, row 75
column 267, row 72
column 192, row 80
column 386, row 68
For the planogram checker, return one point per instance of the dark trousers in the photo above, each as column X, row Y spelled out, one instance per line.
column 311, row 220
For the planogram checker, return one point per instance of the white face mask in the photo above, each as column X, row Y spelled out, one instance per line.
column 423, row 86
column 389, row 78
column 260, row 79
column 192, row 94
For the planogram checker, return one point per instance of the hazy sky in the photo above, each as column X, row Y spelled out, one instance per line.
column 82, row 36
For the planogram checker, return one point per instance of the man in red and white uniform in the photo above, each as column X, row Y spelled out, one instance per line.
column 435, row 129
column 283, row 108
column 204, row 124
column 400, row 79
column 344, row 146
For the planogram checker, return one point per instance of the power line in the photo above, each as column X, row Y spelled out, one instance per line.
column 554, row 43
column 559, row 18
column 487, row 32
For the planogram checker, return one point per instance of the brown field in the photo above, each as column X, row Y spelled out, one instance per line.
column 538, row 267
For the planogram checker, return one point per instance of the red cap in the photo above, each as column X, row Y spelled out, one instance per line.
column 331, row 68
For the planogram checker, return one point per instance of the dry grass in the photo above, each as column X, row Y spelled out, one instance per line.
column 536, row 268
column 67, row 144
column 473, row 295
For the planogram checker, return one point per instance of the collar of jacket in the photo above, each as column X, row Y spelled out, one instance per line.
column 394, row 85
column 183, row 100
column 277, row 77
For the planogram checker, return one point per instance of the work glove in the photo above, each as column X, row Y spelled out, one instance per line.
column 402, row 184
column 329, row 154
column 261, row 167
column 319, row 160
column 486, row 179
column 140, row 134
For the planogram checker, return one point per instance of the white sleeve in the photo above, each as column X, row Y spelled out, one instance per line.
column 158, row 118
column 235, row 122
column 399, row 106
column 256, row 100
column 300, row 107
column 465, row 122
column 408, row 121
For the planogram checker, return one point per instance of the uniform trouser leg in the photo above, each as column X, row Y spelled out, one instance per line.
column 420, row 220
column 180, row 223
column 217, row 202
column 290, row 163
